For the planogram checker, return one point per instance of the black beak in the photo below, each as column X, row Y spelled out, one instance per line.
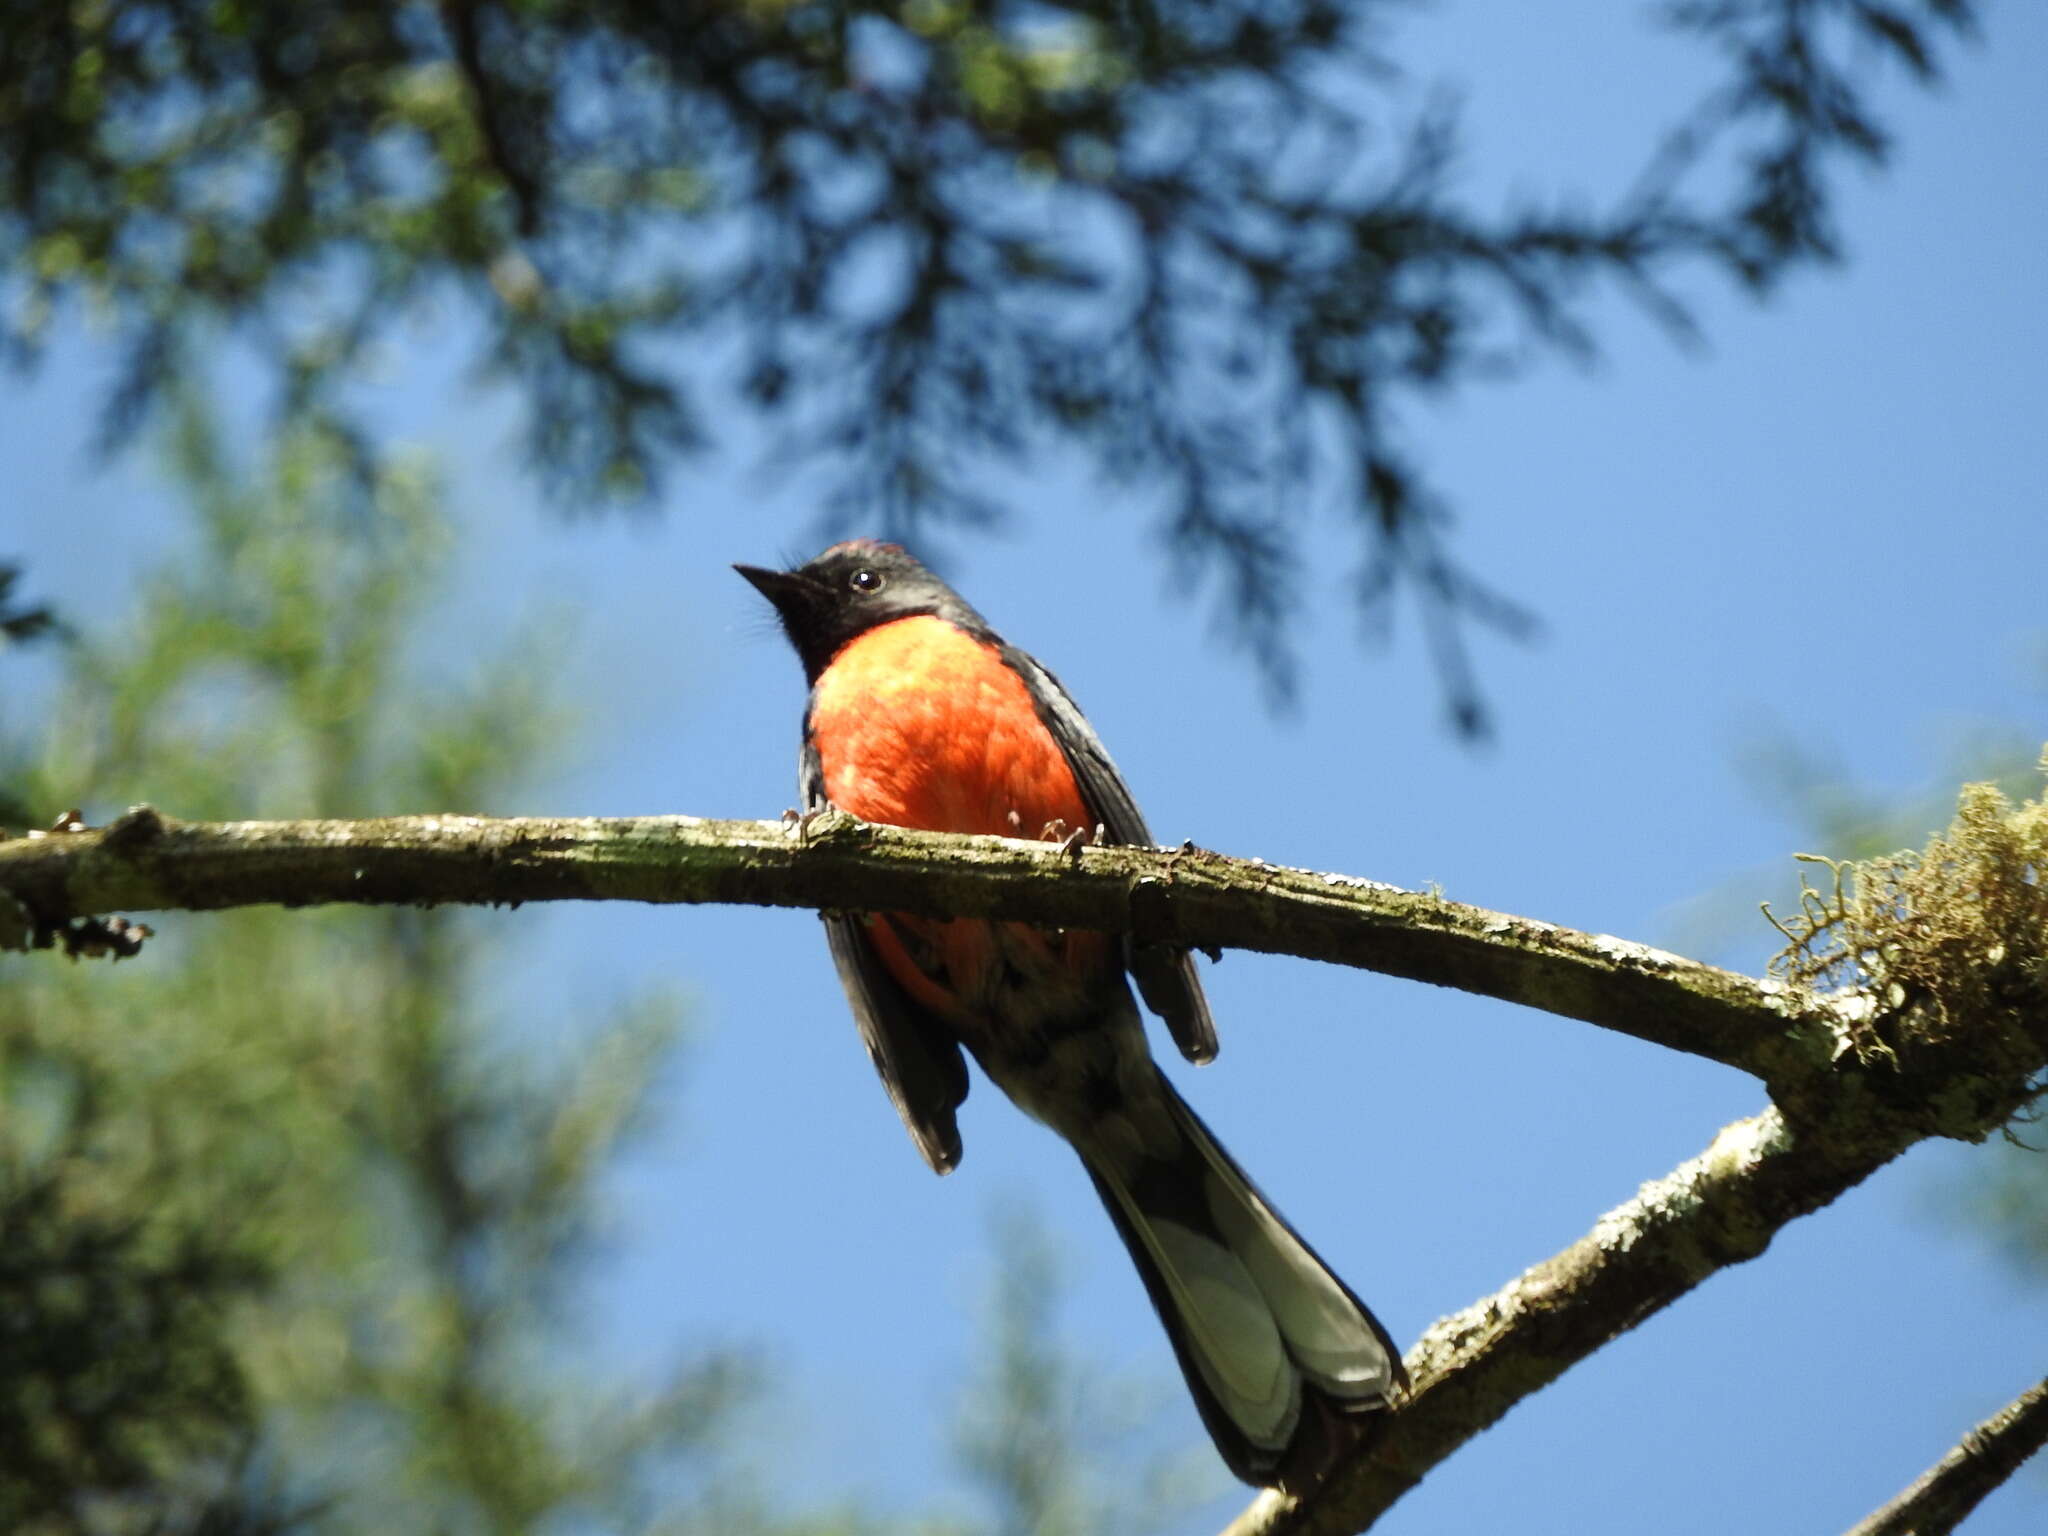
column 785, row 589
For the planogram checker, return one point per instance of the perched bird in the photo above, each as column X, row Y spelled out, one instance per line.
column 920, row 715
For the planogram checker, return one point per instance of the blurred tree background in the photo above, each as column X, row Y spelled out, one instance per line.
column 1204, row 243
column 292, row 1221
column 292, row 1217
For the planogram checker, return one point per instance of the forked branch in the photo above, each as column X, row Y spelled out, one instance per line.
column 1909, row 1053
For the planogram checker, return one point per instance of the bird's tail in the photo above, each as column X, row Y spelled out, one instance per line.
column 1282, row 1359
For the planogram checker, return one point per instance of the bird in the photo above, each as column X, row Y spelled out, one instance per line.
column 921, row 715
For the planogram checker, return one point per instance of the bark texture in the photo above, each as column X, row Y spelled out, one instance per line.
column 147, row 862
column 1943, row 1495
column 1854, row 1079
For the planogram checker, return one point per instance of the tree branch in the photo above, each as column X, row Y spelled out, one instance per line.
column 1945, row 1494
column 493, row 119
column 1188, row 897
column 1720, row 1208
column 1853, row 1084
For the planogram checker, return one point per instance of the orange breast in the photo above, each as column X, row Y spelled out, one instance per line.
column 918, row 724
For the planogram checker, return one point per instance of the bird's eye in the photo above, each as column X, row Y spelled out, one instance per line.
column 865, row 580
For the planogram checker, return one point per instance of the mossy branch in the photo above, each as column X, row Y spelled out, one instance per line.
column 1944, row 955
column 149, row 862
column 1944, row 1495
column 1944, row 1033
column 1720, row 1208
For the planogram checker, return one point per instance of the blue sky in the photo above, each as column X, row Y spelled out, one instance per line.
column 1832, row 521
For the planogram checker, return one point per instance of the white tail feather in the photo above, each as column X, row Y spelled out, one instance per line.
column 1258, row 1321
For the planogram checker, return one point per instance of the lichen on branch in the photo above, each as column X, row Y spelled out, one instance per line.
column 1931, row 1021
column 1931, row 944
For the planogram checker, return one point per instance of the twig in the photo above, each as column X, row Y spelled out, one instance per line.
column 1989, row 1454
column 493, row 123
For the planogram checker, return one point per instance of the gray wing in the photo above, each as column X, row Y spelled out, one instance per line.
column 917, row 1058
column 1165, row 976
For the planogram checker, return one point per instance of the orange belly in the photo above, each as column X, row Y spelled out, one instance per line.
column 918, row 724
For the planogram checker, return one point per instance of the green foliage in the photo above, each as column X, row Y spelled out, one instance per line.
column 287, row 1224
column 1849, row 820
column 20, row 622
column 1036, row 1425
column 113, row 1367
column 1191, row 239
column 281, row 1224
